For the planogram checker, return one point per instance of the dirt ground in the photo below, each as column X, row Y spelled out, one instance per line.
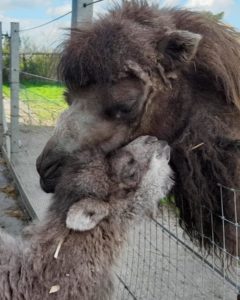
column 12, row 218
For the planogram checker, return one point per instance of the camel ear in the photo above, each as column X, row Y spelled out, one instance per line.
column 178, row 47
column 86, row 214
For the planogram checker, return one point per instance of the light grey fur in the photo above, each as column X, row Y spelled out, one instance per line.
column 57, row 262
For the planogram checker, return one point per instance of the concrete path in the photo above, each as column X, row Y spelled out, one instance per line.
column 32, row 139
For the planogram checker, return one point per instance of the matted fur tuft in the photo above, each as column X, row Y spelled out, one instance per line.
column 197, row 195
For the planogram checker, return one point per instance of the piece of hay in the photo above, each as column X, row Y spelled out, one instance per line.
column 197, row 146
column 15, row 213
column 58, row 249
column 54, row 289
column 9, row 190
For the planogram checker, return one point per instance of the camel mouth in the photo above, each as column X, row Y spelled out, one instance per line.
column 48, row 185
column 49, row 173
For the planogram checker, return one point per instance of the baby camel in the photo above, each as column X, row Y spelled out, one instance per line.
column 70, row 255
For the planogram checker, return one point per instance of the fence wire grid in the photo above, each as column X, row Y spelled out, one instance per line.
column 159, row 261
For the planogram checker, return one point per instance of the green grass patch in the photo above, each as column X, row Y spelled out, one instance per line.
column 6, row 90
column 169, row 202
column 44, row 100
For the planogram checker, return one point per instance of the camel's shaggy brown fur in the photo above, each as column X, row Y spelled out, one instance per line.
column 169, row 73
column 57, row 262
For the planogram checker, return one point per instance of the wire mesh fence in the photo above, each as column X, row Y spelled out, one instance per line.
column 159, row 260
column 40, row 98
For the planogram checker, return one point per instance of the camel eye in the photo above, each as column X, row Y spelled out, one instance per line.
column 131, row 176
column 68, row 97
column 91, row 213
column 122, row 111
column 119, row 111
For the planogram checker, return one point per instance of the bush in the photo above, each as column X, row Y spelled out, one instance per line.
column 43, row 64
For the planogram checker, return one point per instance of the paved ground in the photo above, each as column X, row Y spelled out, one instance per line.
column 32, row 140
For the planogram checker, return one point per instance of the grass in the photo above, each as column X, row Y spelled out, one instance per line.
column 170, row 203
column 45, row 101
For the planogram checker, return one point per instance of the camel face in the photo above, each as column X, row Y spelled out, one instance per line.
column 121, row 77
column 102, row 117
column 130, row 163
column 145, row 160
column 139, row 172
column 111, row 113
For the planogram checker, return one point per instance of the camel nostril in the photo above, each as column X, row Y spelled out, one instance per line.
column 151, row 140
column 48, row 162
column 131, row 161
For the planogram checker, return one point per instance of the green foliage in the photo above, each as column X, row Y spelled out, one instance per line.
column 43, row 64
column 6, row 57
column 6, row 44
column 169, row 201
column 32, row 60
column 37, row 60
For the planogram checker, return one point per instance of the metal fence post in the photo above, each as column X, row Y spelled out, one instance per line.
column 82, row 13
column 14, row 79
column 1, row 88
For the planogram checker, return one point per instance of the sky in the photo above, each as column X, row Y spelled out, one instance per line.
column 30, row 13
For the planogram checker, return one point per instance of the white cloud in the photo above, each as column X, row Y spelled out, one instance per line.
column 153, row 2
column 169, row 3
column 43, row 39
column 6, row 22
column 47, row 37
column 102, row 8
column 213, row 5
column 8, row 4
column 197, row 3
column 59, row 10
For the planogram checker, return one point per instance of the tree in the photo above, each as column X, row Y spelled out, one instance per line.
column 6, row 57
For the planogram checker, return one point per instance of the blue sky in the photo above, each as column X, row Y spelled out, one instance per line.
column 34, row 12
